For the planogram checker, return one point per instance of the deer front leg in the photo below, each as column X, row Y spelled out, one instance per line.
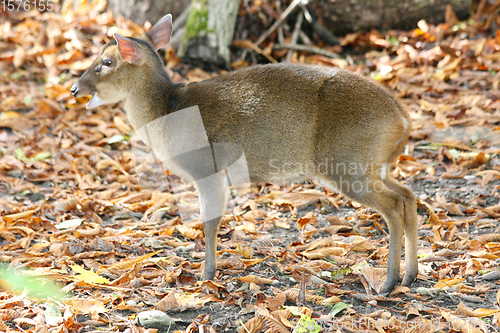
column 213, row 195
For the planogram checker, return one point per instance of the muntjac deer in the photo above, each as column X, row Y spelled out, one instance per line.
column 282, row 122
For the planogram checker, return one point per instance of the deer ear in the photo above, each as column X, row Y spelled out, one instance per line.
column 161, row 32
column 129, row 50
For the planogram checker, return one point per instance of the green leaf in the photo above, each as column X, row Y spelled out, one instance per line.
column 52, row 310
column 69, row 223
column 484, row 271
column 394, row 41
column 27, row 100
column 116, row 138
column 163, row 209
column 454, row 153
column 339, row 307
column 41, row 156
column 428, row 147
column 360, row 265
column 293, row 311
column 377, row 76
column 307, row 325
column 53, row 79
column 89, row 276
column 35, row 286
column 19, row 154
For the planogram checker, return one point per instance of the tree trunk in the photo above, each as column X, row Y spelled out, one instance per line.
column 209, row 32
column 344, row 16
column 141, row 11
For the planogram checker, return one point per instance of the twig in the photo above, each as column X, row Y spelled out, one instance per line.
column 281, row 36
column 179, row 28
column 180, row 21
column 295, row 36
column 175, row 41
column 282, row 17
column 304, row 38
column 248, row 44
column 324, row 33
column 307, row 15
column 307, row 48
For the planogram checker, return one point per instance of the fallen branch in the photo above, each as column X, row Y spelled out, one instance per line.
column 307, row 48
column 295, row 36
column 322, row 32
column 249, row 45
column 179, row 28
column 278, row 22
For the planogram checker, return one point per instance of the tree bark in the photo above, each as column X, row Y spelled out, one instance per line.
column 141, row 11
column 209, row 32
column 344, row 16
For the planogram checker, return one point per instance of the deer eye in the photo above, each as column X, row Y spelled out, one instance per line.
column 105, row 63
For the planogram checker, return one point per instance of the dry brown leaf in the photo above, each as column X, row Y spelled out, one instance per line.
column 477, row 290
column 127, row 264
column 189, row 232
column 232, row 263
column 91, row 307
column 322, row 242
column 9, row 219
column 255, row 214
column 47, row 109
column 481, row 313
column 247, row 227
column 336, row 221
column 292, row 295
column 298, row 200
column 374, row 276
column 409, row 166
column 484, row 239
column 281, row 224
column 482, row 254
column 245, row 251
column 466, row 311
column 447, row 283
column 454, row 210
column 324, row 252
column 104, row 164
column 255, row 279
column 463, row 325
column 66, row 205
column 309, row 218
column 140, row 206
column 215, row 286
column 254, row 325
column 168, row 303
column 361, row 245
column 245, row 43
column 276, row 303
column 251, row 262
column 275, row 325
column 450, row 18
column 122, row 126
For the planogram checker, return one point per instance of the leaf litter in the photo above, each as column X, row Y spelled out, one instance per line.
column 85, row 245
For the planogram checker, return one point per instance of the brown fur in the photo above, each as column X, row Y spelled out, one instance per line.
column 292, row 114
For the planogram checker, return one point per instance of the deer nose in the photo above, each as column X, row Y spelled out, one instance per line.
column 74, row 90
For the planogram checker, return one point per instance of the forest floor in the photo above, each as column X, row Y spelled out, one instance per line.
column 88, row 246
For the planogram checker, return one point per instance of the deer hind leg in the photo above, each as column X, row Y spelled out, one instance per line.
column 371, row 191
column 411, row 229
